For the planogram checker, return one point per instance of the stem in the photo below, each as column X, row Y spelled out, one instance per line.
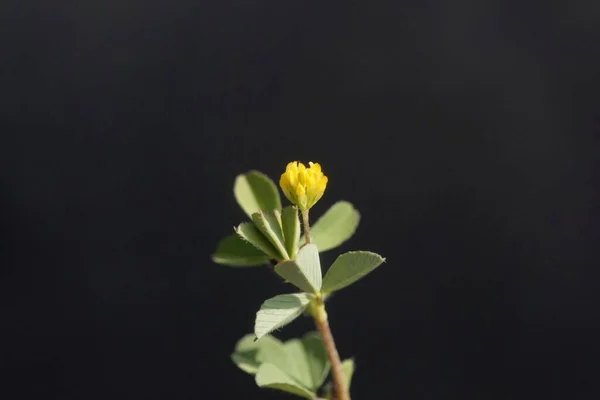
column 340, row 392
column 306, row 226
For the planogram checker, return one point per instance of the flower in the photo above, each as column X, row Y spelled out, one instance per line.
column 303, row 186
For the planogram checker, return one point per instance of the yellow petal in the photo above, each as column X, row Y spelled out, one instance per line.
column 301, row 185
column 315, row 166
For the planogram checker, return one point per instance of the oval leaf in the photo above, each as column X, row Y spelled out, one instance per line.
column 348, row 268
column 292, row 273
column 250, row 233
column 269, row 376
column 255, row 191
column 304, row 360
column 244, row 355
column 316, row 357
column 269, row 223
column 234, row 251
column 336, row 226
column 305, row 271
column 271, row 350
column 279, row 311
column 299, row 368
column 250, row 353
column 291, row 230
column 308, row 363
column 309, row 262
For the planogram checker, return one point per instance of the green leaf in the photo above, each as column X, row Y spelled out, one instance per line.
column 298, row 366
column 348, row 268
column 348, row 369
column 269, row 376
column 334, row 227
column 316, row 357
column 305, row 271
column 291, row 230
column 308, row 360
column 245, row 354
column 291, row 272
column 269, row 223
column 279, row 311
column 271, row 350
column 234, row 251
column 254, row 191
column 250, row 353
column 303, row 360
column 250, row 233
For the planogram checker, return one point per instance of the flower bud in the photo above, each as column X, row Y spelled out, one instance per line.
column 303, row 186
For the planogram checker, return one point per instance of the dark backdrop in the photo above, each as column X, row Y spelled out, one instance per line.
column 465, row 132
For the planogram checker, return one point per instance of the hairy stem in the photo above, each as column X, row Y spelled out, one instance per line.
column 340, row 392
column 306, row 226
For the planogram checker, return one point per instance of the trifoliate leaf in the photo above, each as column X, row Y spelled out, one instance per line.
column 304, row 360
column 255, row 191
column 348, row 268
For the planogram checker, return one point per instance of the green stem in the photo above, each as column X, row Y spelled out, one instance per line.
column 340, row 392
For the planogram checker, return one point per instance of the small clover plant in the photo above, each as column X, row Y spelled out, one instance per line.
column 274, row 236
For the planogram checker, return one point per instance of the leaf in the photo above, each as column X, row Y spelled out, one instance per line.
column 255, row 191
column 249, row 353
column 348, row 369
column 298, row 366
column 271, row 350
column 348, row 268
column 291, row 230
column 250, row 233
column 244, row 355
column 291, row 272
column 334, row 227
column 269, row 376
column 234, row 251
column 305, row 271
column 303, row 360
column 316, row 357
column 308, row 360
column 269, row 224
column 279, row 311
column 310, row 263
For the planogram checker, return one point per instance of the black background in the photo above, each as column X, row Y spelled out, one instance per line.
column 465, row 132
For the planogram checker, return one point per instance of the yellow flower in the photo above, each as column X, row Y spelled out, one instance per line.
column 303, row 186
